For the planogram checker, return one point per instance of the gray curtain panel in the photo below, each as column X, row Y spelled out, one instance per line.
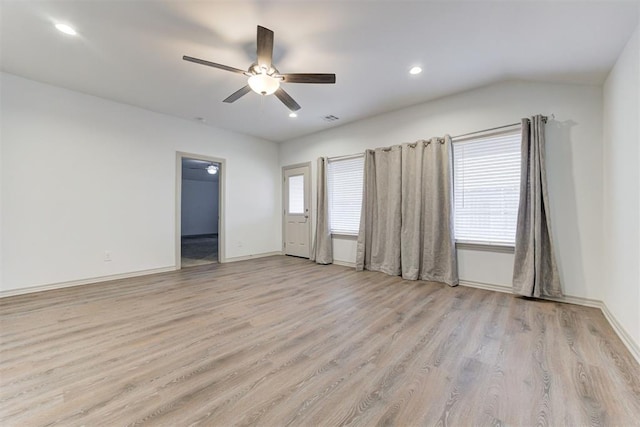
column 322, row 252
column 380, row 219
column 535, row 272
column 406, row 224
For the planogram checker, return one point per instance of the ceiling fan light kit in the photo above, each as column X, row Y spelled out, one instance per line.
column 264, row 84
column 263, row 77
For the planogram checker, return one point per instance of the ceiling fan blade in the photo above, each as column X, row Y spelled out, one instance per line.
column 309, row 78
column 214, row 65
column 287, row 99
column 265, row 47
column 237, row 94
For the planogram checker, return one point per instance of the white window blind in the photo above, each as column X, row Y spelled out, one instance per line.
column 486, row 174
column 344, row 189
column 296, row 194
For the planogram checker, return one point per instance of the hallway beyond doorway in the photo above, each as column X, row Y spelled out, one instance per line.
column 199, row 250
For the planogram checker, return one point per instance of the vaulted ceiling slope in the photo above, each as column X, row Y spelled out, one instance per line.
column 131, row 52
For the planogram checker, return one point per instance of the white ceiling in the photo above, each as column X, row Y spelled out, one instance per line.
column 131, row 52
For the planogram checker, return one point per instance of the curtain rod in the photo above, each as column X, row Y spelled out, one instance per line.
column 485, row 130
column 348, row 156
column 544, row 120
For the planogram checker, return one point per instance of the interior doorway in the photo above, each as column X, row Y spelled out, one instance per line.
column 199, row 230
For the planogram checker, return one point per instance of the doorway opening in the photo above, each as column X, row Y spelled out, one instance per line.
column 199, row 208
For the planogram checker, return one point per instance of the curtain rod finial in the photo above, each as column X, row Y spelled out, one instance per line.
column 545, row 118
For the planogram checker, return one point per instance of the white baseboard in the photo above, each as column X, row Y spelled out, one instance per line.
column 485, row 286
column 91, row 280
column 631, row 345
column 569, row 299
column 254, row 256
column 82, row 282
column 344, row 263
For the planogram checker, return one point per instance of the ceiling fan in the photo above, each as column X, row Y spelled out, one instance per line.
column 264, row 78
column 210, row 167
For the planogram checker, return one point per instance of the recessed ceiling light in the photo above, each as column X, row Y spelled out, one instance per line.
column 66, row 29
column 415, row 70
column 293, row 115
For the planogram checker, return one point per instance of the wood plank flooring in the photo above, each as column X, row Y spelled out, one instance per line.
column 281, row 341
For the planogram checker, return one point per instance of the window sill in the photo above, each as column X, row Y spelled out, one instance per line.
column 345, row 236
column 476, row 246
column 488, row 247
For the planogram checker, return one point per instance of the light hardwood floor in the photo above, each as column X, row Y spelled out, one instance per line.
column 281, row 341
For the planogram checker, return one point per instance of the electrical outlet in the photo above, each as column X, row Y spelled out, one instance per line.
column 107, row 256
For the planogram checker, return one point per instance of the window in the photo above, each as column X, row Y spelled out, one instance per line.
column 486, row 177
column 344, row 189
column 296, row 194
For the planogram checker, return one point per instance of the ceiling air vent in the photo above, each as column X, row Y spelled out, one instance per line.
column 330, row 118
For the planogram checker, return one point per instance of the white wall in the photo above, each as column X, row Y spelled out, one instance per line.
column 199, row 207
column 82, row 175
column 621, row 285
column 574, row 151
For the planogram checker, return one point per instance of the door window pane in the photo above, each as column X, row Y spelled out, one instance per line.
column 296, row 194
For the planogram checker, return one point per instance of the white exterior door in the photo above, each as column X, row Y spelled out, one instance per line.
column 297, row 227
